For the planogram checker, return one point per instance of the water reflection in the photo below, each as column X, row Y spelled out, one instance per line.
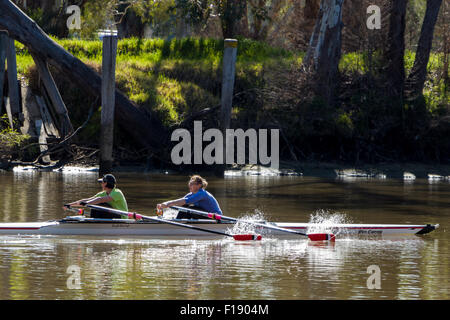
column 222, row 269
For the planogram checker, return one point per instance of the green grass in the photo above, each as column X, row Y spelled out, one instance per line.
column 357, row 61
column 174, row 78
column 155, row 50
column 182, row 75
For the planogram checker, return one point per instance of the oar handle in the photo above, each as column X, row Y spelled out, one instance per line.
column 79, row 211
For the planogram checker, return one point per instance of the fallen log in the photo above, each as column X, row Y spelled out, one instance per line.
column 143, row 128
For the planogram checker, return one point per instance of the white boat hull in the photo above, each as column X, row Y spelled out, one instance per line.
column 126, row 227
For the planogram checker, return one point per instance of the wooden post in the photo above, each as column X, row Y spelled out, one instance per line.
column 13, row 87
column 228, row 75
column 42, row 140
column 8, row 112
column 108, row 102
column 3, row 39
column 229, row 70
column 47, row 121
column 64, row 124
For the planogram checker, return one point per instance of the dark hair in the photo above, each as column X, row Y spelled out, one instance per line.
column 199, row 180
column 109, row 179
column 110, row 185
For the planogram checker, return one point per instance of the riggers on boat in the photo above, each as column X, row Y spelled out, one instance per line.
column 81, row 225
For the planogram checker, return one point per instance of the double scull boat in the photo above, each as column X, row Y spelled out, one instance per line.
column 81, row 225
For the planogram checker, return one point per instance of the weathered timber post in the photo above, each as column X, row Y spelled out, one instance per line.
column 228, row 76
column 13, row 87
column 3, row 38
column 108, row 102
column 229, row 70
column 63, row 122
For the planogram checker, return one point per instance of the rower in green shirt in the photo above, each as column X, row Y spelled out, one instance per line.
column 110, row 196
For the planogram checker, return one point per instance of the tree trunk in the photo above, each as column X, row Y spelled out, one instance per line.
column 324, row 51
column 145, row 130
column 231, row 13
column 416, row 79
column 269, row 20
column 395, row 52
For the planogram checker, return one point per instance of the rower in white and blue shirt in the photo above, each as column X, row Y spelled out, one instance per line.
column 198, row 198
column 203, row 200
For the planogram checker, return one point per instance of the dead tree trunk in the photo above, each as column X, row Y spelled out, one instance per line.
column 324, row 51
column 416, row 79
column 395, row 52
column 144, row 129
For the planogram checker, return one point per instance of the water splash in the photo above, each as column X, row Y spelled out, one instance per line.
column 170, row 213
column 247, row 228
column 324, row 221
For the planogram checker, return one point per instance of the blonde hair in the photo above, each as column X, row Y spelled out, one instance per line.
column 199, row 180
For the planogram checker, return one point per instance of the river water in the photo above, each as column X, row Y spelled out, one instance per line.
column 55, row 267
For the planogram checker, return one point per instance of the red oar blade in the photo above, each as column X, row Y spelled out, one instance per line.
column 247, row 237
column 322, row 237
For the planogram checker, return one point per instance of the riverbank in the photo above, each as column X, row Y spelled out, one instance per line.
column 179, row 81
column 380, row 171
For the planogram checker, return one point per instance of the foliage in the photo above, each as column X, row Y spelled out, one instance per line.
column 97, row 15
column 159, row 14
column 10, row 139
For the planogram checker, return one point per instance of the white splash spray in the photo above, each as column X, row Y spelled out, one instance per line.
column 325, row 221
column 247, row 228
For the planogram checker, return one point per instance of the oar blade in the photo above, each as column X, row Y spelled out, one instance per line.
column 247, row 237
column 322, row 237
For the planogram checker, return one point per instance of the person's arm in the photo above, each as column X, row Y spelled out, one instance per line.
column 167, row 204
column 99, row 200
column 190, row 198
column 91, row 200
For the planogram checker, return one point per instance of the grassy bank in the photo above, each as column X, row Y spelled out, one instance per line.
column 171, row 78
column 174, row 79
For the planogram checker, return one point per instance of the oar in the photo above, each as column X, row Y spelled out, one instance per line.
column 312, row 236
column 136, row 216
column 78, row 211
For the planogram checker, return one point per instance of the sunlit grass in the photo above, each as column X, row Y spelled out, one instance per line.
column 176, row 77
